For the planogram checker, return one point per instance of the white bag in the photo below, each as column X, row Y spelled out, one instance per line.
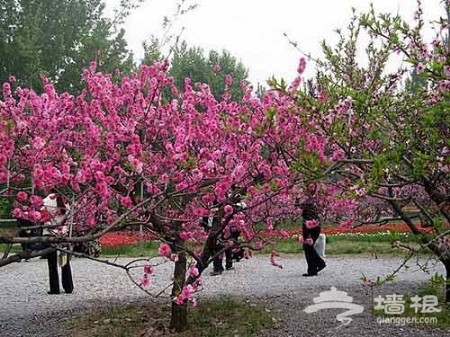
column 320, row 245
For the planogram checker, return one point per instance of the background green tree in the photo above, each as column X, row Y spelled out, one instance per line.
column 196, row 64
column 59, row 38
column 193, row 62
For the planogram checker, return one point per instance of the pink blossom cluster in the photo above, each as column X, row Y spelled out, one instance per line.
column 145, row 280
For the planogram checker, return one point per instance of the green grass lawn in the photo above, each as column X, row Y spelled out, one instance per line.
column 212, row 318
column 341, row 244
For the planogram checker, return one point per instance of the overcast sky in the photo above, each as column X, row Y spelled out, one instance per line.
column 252, row 30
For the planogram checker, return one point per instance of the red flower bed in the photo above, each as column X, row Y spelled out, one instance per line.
column 115, row 239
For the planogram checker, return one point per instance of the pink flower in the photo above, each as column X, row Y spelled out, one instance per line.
column 22, row 196
column 148, row 269
column 164, row 250
column 228, row 80
column 126, row 202
column 420, row 68
column 34, row 216
column 238, row 172
column 185, row 294
column 228, row 209
column 216, row 68
column 193, row 271
column 347, row 224
column 337, row 155
column 301, row 65
column 295, row 84
column 193, row 302
column 309, row 241
column 38, row 143
column 145, row 281
column 311, row 224
column 209, row 165
column 273, row 255
column 322, row 97
column 447, row 71
column 368, row 282
column 93, row 66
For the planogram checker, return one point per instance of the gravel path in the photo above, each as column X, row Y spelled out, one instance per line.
column 27, row 310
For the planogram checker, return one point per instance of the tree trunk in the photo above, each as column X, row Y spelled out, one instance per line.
column 179, row 321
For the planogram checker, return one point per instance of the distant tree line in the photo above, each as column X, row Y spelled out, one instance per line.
column 59, row 38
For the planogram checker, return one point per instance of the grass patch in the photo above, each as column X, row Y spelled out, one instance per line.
column 341, row 244
column 16, row 248
column 8, row 230
column 348, row 244
column 137, row 250
column 212, row 318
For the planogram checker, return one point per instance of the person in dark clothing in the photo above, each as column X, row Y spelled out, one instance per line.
column 211, row 223
column 52, row 258
column 21, row 223
column 311, row 232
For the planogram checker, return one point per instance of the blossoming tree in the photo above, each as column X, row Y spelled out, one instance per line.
column 387, row 132
column 142, row 153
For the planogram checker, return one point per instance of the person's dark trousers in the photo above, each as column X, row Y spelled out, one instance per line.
column 210, row 249
column 238, row 254
column 66, row 271
column 217, row 263
column 52, row 261
column 67, row 281
column 313, row 259
column 229, row 258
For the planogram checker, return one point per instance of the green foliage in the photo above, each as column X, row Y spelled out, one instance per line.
column 192, row 62
column 389, row 130
column 6, row 207
column 58, row 39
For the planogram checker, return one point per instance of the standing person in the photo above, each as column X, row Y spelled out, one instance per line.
column 210, row 224
column 311, row 232
column 236, row 253
column 55, row 205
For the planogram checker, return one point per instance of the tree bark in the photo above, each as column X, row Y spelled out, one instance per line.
column 179, row 320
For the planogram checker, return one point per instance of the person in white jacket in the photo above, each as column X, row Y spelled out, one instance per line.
column 56, row 207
